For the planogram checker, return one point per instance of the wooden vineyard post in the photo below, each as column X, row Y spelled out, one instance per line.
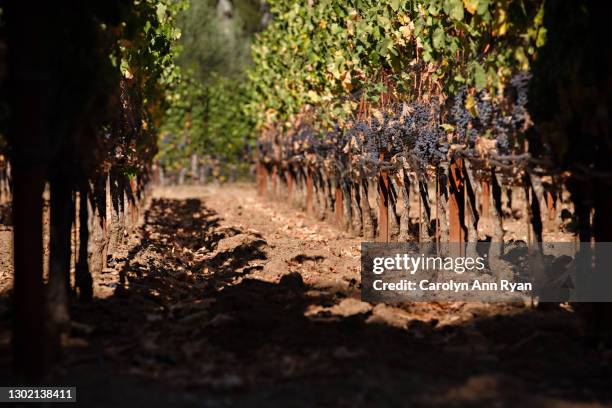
column 289, row 177
column 309, row 193
column 420, row 214
column 264, row 180
column 486, row 198
column 550, row 205
column 528, row 212
column 437, row 239
column 339, row 206
column 383, row 207
column 31, row 350
column 274, row 180
column 258, row 177
column 133, row 205
column 456, row 202
column 534, row 195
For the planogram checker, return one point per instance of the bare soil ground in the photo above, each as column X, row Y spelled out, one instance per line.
column 226, row 299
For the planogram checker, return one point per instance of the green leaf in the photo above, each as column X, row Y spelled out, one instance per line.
column 438, row 38
column 454, row 8
column 384, row 22
column 161, row 12
column 459, row 78
column 384, row 46
column 541, row 38
column 480, row 76
column 483, row 7
column 395, row 4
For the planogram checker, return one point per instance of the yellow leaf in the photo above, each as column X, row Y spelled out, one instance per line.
column 403, row 19
column 405, row 31
column 470, row 105
column 501, row 21
column 347, row 81
column 378, row 115
column 313, row 96
column 350, row 27
column 471, row 5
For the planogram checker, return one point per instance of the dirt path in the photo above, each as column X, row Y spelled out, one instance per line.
column 225, row 299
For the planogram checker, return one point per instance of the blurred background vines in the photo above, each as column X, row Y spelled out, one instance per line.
column 208, row 133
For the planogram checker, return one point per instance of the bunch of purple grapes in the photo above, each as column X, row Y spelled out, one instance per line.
column 520, row 115
column 415, row 130
column 460, row 116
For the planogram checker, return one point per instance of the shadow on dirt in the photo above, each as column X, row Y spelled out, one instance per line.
column 187, row 318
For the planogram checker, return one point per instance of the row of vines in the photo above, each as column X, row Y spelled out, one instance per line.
column 452, row 101
column 86, row 90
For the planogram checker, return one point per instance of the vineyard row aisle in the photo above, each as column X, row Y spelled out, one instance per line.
column 225, row 291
